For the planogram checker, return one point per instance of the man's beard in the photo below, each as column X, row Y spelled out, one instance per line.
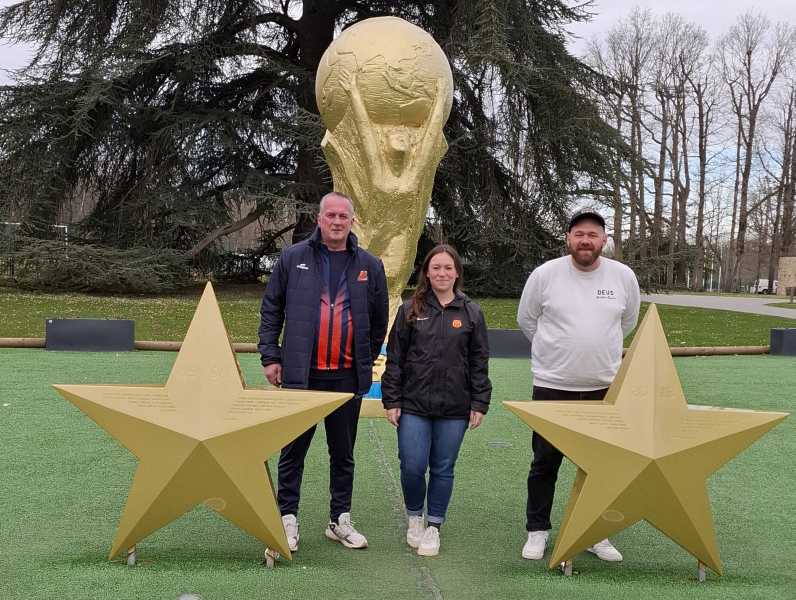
column 583, row 261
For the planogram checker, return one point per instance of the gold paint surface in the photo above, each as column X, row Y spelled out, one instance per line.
column 372, row 408
column 643, row 452
column 203, row 436
column 384, row 89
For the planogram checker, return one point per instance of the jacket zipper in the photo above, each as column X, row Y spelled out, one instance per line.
column 442, row 380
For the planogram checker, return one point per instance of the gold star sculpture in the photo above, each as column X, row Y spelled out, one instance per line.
column 642, row 452
column 203, row 437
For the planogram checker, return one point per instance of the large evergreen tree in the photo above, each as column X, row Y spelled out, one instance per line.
column 166, row 115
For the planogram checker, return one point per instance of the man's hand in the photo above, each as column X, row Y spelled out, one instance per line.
column 393, row 414
column 273, row 373
column 475, row 418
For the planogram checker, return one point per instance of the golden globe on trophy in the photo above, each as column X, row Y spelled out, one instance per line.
column 384, row 89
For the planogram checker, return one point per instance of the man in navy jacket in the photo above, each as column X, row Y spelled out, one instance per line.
column 331, row 296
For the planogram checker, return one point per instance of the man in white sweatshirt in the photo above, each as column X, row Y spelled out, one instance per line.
column 576, row 310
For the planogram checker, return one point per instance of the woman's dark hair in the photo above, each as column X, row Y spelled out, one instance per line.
column 418, row 307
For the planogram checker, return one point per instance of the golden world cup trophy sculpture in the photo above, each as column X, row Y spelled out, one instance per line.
column 384, row 89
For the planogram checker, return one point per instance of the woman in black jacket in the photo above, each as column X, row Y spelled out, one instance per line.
column 435, row 383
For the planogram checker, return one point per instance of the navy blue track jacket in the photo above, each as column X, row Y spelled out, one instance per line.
column 292, row 298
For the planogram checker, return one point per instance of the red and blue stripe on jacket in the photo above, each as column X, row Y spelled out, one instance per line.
column 334, row 343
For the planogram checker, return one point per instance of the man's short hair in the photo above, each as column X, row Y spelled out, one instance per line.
column 339, row 195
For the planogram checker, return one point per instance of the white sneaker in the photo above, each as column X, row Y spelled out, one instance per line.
column 429, row 545
column 535, row 546
column 291, row 531
column 605, row 551
column 414, row 534
column 343, row 531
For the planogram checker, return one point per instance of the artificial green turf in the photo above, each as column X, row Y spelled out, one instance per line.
column 63, row 483
column 167, row 317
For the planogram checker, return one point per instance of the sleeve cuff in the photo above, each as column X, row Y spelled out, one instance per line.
column 479, row 407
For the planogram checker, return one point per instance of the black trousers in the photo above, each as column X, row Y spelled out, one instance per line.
column 341, row 434
column 546, row 462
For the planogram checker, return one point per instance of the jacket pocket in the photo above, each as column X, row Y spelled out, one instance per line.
column 408, row 377
column 457, row 396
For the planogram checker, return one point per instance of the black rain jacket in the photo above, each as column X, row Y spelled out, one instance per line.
column 438, row 366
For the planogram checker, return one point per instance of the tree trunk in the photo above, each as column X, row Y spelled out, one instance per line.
column 682, row 197
column 672, row 236
column 699, row 240
column 675, row 160
column 785, row 187
column 773, row 259
column 642, row 209
column 762, row 237
column 618, row 209
column 740, row 245
column 657, row 215
column 788, row 197
column 315, row 33
column 631, row 237
column 731, row 253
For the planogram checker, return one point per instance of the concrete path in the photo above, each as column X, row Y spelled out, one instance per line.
column 746, row 305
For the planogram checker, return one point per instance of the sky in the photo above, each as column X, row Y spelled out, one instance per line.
column 715, row 16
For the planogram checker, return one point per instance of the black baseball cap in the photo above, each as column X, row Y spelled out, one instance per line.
column 586, row 213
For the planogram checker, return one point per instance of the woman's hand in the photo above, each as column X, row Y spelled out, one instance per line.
column 475, row 418
column 393, row 414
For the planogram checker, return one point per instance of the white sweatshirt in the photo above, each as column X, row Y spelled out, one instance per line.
column 576, row 322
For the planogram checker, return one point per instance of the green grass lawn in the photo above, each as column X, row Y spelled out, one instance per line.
column 682, row 292
column 684, row 326
column 63, row 484
column 783, row 304
column 156, row 317
column 22, row 314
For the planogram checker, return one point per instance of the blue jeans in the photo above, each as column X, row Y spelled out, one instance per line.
column 428, row 444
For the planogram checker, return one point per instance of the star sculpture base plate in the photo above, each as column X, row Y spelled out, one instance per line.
column 642, row 452
column 203, row 436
